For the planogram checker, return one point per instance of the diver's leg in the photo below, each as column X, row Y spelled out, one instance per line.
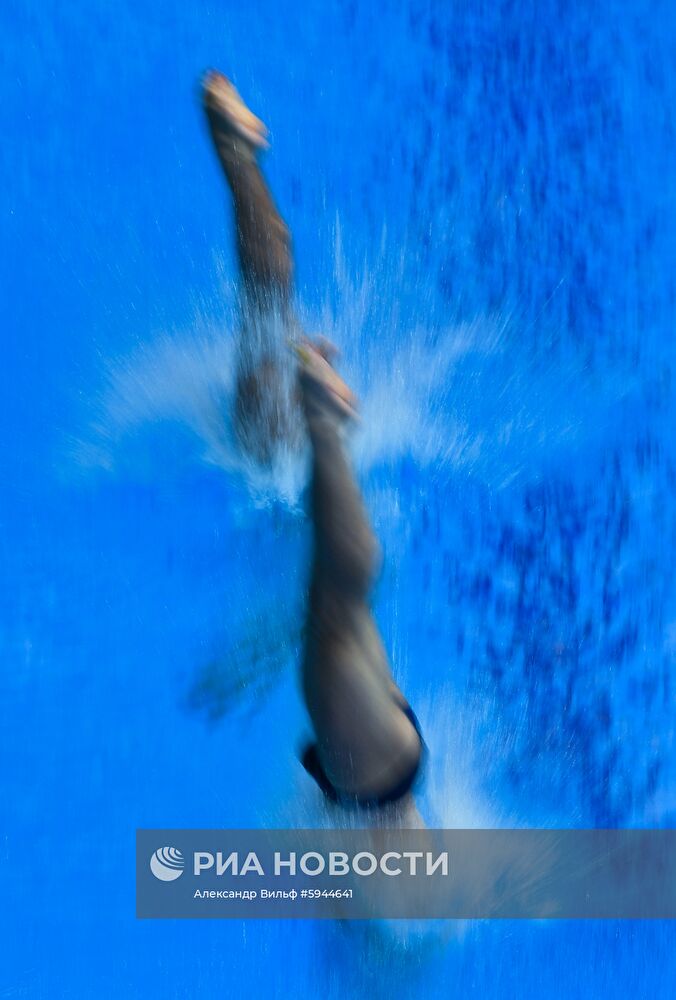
column 263, row 241
column 264, row 407
column 365, row 742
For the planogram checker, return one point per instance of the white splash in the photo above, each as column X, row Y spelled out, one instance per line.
column 469, row 398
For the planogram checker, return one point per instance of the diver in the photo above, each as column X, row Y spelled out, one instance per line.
column 368, row 749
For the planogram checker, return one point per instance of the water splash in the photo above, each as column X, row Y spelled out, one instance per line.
column 468, row 396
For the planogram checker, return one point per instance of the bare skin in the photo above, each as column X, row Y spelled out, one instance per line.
column 366, row 744
column 266, row 408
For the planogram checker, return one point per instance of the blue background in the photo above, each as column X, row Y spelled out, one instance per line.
column 482, row 198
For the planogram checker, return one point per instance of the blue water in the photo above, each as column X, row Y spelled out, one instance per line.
column 483, row 204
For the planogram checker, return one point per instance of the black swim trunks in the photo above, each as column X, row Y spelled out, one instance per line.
column 311, row 763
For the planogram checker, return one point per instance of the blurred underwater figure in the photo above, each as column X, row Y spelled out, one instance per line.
column 368, row 750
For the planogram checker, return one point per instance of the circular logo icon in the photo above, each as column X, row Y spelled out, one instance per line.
column 167, row 864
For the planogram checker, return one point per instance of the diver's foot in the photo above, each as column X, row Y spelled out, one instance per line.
column 323, row 391
column 227, row 112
